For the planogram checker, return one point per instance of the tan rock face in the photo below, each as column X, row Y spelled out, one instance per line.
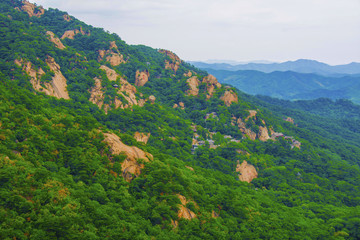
column 67, row 18
column 71, row 33
column 290, row 120
column 247, row 171
column 97, row 95
column 183, row 211
column 110, row 73
column 244, row 130
column 188, row 74
column 182, row 105
column 152, row 99
column 142, row 137
column 130, row 167
column 31, row 9
column 252, row 113
column 58, row 81
column 211, row 84
column 55, row 40
column 229, row 97
column 175, row 60
column 141, row 78
column 56, row 87
column 112, row 55
column 193, row 83
column 263, row 134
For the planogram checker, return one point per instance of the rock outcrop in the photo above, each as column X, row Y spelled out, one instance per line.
column 58, row 81
column 289, row 119
column 130, row 167
column 211, row 83
column 110, row 73
column 97, row 94
column 113, row 56
column 142, row 137
column 263, row 134
column 229, row 97
column 56, row 87
column 252, row 113
column 71, row 33
column 31, row 9
column 55, row 40
column 184, row 212
column 152, row 99
column 67, row 18
column 141, row 78
column 244, row 130
column 193, row 83
column 174, row 62
column 247, row 172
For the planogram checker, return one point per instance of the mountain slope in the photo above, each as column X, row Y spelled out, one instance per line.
column 100, row 139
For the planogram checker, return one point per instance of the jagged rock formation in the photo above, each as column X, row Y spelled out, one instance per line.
column 141, row 78
column 97, row 94
column 71, row 33
column 174, row 62
column 247, row 172
column 112, row 55
column 188, row 74
column 229, row 97
column 110, row 73
column 56, row 87
column 30, row 8
column 244, row 130
column 55, row 40
column 211, row 83
column 131, row 168
column 142, row 137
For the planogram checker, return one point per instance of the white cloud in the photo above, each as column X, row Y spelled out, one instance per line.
column 326, row 30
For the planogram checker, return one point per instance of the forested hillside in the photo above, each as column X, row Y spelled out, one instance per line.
column 103, row 140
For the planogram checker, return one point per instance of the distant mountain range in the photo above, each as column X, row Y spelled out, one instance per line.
column 301, row 66
column 292, row 85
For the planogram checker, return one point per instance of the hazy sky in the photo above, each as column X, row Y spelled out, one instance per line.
column 241, row 30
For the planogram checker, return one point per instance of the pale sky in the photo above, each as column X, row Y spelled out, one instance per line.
column 240, row 30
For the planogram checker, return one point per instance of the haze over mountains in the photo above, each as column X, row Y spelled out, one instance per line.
column 301, row 79
column 301, row 66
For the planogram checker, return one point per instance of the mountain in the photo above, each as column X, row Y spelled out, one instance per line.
column 292, row 85
column 103, row 140
column 301, row 66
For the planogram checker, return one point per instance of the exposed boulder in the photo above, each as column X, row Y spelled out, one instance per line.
column 55, row 40
column 252, row 113
column 188, row 74
column 130, row 167
column 289, row 119
column 152, row 99
column 247, row 172
column 31, row 9
column 141, row 78
column 229, row 97
column 113, row 56
column 142, row 137
column 244, row 130
column 97, row 94
column 193, row 83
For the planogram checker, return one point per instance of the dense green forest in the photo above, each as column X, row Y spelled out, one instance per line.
column 74, row 101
